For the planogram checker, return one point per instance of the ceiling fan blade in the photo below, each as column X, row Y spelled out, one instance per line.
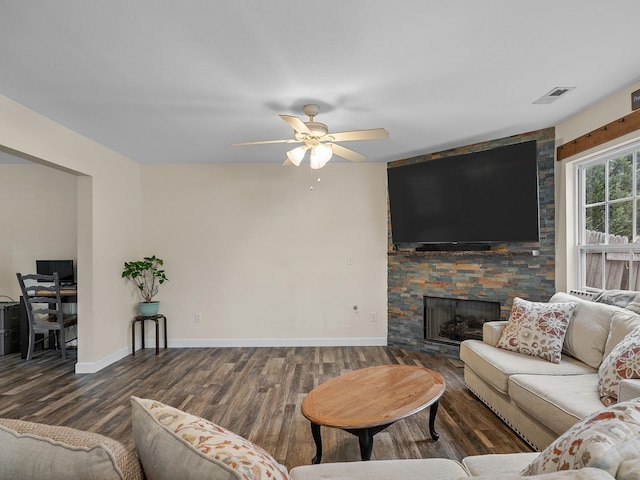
column 347, row 153
column 289, row 140
column 371, row 134
column 288, row 163
column 295, row 123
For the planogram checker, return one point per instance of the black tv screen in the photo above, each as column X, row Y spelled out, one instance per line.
column 483, row 197
column 63, row 267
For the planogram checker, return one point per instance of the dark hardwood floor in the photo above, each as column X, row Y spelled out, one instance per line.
column 254, row 392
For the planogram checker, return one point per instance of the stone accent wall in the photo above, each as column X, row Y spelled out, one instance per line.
column 504, row 272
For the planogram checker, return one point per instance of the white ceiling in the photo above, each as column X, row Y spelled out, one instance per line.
column 178, row 81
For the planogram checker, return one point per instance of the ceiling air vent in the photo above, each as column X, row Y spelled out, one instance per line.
column 553, row 95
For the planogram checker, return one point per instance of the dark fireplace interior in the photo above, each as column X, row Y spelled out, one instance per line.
column 452, row 320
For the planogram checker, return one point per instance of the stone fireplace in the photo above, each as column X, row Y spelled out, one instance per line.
column 517, row 269
column 452, row 320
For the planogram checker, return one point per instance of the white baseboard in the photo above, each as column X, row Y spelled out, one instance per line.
column 93, row 367
column 278, row 342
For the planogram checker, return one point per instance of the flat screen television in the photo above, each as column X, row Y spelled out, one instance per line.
column 483, row 197
column 63, row 267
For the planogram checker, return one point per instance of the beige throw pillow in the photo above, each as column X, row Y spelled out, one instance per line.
column 537, row 329
column 622, row 323
column 35, row 450
column 588, row 329
column 176, row 445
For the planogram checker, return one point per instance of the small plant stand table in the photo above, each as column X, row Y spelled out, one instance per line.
column 143, row 318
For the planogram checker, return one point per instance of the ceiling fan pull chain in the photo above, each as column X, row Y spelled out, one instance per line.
column 311, row 172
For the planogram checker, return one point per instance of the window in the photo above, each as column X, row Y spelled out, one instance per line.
column 609, row 218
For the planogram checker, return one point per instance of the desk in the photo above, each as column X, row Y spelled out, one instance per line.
column 69, row 295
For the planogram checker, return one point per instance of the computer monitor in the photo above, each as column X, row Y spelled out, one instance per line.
column 63, row 267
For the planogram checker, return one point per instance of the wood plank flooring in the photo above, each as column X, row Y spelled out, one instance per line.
column 254, row 392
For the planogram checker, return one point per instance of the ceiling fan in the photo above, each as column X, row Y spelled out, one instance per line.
column 315, row 137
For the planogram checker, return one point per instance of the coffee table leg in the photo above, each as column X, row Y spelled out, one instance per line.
column 315, row 431
column 432, row 420
column 365, row 437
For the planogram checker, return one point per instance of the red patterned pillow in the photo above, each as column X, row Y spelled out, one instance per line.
column 622, row 362
column 537, row 329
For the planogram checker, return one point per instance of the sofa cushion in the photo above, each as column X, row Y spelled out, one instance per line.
column 622, row 455
column 593, row 441
column 622, row 363
column 495, row 365
column 556, row 401
column 34, row 450
column 537, row 329
column 622, row 323
column 628, row 390
column 173, row 444
column 588, row 328
column 492, row 464
column 621, row 298
column 413, row 469
column 582, row 474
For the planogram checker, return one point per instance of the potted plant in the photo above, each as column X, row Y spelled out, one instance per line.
column 147, row 275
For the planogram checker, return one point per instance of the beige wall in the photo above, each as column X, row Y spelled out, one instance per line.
column 264, row 259
column 601, row 113
column 108, row 232
column 39, row 220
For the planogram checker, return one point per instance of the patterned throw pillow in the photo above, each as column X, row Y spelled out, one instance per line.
column 537, row 329
column 605, row 440
column 173, row 444
column 622, row 362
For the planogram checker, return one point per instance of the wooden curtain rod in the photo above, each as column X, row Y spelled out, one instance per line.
column 610, row 131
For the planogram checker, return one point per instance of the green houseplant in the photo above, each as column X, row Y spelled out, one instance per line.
column 147, row 276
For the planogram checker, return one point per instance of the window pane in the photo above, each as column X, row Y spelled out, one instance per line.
column 609, row 203
column 593, row 270
column 594, row 222
column 616, row 270
column 637, row 153
column 621, row 219
column 595, row 183
column 636, row 237
column 621, row 177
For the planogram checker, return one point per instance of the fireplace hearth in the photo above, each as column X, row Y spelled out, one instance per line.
column 452, row 320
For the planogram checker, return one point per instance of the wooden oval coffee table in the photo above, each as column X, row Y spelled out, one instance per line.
column 365, row 402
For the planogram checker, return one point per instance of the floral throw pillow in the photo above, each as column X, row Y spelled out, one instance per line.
column 537, row 329
column 622, row 362
column 605, row 439
column 173, row 444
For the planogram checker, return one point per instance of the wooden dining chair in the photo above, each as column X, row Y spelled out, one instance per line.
column 43, row 303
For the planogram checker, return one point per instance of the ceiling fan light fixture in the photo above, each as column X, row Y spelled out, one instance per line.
column 320, row 155
column 296, row 155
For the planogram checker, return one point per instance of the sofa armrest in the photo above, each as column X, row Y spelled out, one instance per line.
column 491, row 331
column 628, row 389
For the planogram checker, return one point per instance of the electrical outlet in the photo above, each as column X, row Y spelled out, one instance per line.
column 197, row 318
column 374, row 317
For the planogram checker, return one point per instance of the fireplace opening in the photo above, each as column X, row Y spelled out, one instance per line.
column 452, row 320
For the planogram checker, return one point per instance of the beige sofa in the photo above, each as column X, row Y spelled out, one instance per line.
column 485, row 467
column 541, row 400
column 171, row 444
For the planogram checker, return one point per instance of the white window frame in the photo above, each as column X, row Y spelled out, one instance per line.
column 632, row 250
